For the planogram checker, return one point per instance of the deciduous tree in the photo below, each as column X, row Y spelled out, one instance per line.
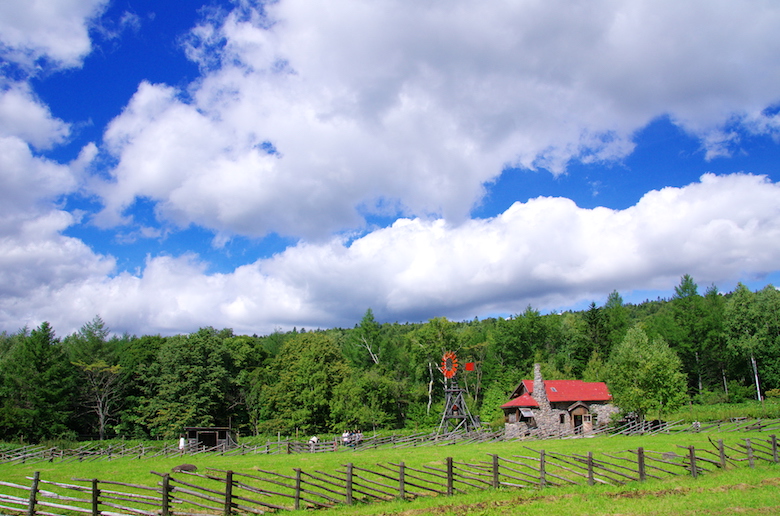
column 645, row 376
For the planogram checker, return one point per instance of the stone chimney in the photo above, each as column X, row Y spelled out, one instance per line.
column 539, row 393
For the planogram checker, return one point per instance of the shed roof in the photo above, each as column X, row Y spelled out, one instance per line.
column 559, row 391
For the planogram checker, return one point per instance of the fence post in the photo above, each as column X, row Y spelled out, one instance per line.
column 166, row 489
column 542, row 472
column 297, row 488
column 749, row 447
column 95, row 498
column 774, row 448
column 640, row 457
column 692, row 457
column 496, row 481
column 591, row 480
column 228, row 493
column 450, row 477
column 349, row 484
column 401, row 481
column 33, row 493
column 722, row 453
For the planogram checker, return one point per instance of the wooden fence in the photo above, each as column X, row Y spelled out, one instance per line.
column 95, row 451
column 229, row 492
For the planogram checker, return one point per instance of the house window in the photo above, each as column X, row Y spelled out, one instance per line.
column 562, row 418
column 586, row 418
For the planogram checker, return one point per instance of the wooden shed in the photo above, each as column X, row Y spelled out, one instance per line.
column 202, row 437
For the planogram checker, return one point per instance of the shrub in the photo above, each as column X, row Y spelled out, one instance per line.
column 773, row 393
column 739, row 393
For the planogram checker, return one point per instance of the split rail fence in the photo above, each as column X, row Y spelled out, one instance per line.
column 224, row 492
column 95, row 451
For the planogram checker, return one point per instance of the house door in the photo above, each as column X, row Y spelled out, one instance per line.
column 577, row 418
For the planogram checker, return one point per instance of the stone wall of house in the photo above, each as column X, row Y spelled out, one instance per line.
column 603, row 413
column 514, row 430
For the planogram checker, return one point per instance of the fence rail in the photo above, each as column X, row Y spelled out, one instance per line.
column 225, row 492
column 94, row 451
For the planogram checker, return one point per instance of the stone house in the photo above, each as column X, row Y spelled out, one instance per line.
column 557, row 407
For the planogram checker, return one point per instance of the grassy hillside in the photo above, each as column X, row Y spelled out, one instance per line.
column 736, row 491
column 742, row 490
column 137, row 471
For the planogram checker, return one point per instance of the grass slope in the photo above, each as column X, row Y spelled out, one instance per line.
column 742, row 490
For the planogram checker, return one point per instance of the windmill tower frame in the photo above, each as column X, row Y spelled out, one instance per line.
column 456, row 416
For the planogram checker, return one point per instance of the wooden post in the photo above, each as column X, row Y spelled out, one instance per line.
column 95, row 498
column 749, row 447
column 33, row 493
column 542, row 472
column 349, row 484
column 297, row 488
column 450, row 477
column 591, row 480
column 692, row 457
column 228, row 493
column 773, row 438
column 640, row 457
column 722, row 453
column 401, row 481
column 496, row 481
column 166, row 489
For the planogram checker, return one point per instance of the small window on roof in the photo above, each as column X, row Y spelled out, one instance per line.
column 553, row 389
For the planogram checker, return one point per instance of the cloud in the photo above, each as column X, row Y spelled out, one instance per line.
column 412, row 108
column 35, row 255
column 546, row 252
column 29, row 183
column 24, row 117
column 53, row 29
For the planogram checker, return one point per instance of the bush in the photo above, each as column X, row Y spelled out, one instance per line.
column 773, row 393
column 739, row 393
column 710, row 398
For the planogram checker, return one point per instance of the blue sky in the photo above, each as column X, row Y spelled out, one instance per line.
column 261, row 166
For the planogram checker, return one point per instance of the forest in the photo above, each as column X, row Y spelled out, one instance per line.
column 696, row 348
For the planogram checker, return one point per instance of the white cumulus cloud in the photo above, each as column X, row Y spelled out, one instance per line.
column 312, row 114
column 546, row 252
column 55, row 29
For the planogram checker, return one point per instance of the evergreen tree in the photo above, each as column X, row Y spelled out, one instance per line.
column 187, row 384
column 37, row 388
column 616, row 321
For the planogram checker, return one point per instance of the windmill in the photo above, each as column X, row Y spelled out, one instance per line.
column 456, row 414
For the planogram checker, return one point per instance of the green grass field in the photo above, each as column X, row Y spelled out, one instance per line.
column 735, row 490
column 742, row 491
column 767, row 409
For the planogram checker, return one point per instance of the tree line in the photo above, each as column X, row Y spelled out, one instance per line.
column 655, row 355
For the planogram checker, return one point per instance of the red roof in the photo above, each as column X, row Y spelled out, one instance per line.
column 561, row 391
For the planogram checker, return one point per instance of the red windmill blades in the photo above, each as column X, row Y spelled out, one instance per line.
column 449, row 364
